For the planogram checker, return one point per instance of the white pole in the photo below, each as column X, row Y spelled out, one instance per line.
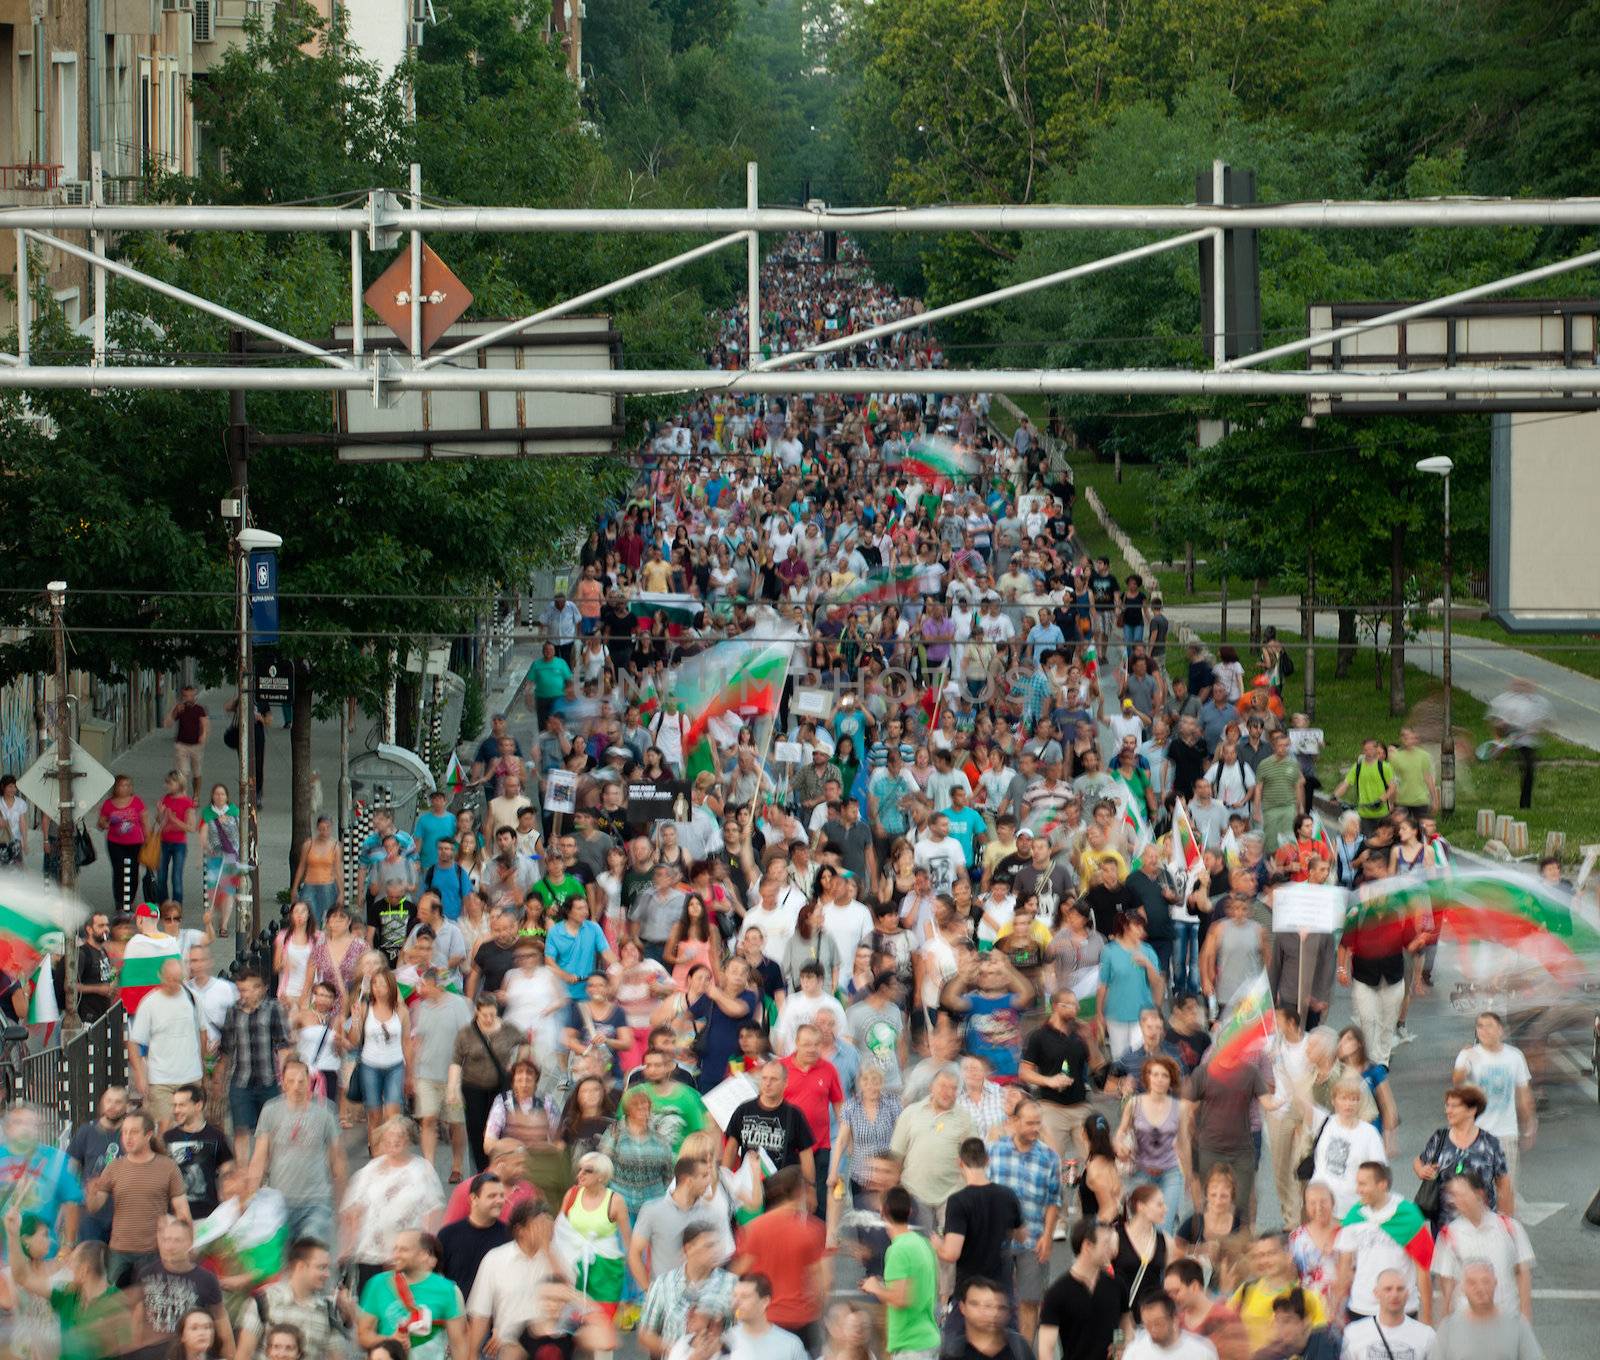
column 98, row 242
column 1219, row 275
column 753, row 264
column 24, row 311
column 582, row 300
column 1418, row 309
column 1013, row 290
column 171, row 290
column 416, row 265
column 357, row 309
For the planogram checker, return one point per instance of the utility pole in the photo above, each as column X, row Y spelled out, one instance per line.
column 244, row 709
column 67, row 855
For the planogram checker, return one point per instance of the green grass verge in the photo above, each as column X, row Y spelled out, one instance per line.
column 1351, row 709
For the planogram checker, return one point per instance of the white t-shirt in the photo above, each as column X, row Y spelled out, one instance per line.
column 1411, row 1340
column 1340, row 1152
column 944, row 860
column 1498, row 1075
column 847, row 926
column 215, row 999
column 1375, row 1252
column 170, row 1028
column 772, row 1344
column 777, row 924
column 1186, row 1346
column 1499, row 1240
column 800, row 1009
column 316, row 1048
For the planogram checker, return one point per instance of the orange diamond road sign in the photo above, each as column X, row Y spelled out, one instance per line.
column 445, row 298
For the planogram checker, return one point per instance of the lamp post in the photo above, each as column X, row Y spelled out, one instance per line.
column 247, row 541
column 66, row 848
column 1442, row 466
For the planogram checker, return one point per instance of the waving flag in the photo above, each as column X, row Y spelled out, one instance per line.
column 142, row 958
column 1091, row 660
column 1405, row 1225
column 252, row 1241
column 680, row 609
column 939, row 462
column 1134, row 817
column 35, row 921
column 1249, row 1022
column 1320, row 838
column 877, row 587
column 743, row 677
column 1185, row 844
column 454, row 778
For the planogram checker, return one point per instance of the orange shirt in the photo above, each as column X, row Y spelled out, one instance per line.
column 785, row 1246
column 588, row 596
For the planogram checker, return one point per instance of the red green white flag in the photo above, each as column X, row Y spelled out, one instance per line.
column 142, row 958
column 1250, row 1021
column 1405, row 1225
column 454, row 778
column 35, row 922
column 740, row 677
column 939, row 462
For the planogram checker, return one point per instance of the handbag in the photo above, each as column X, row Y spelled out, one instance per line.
column 352, row 1088
column 1427, row 1198
column 83, row 847
column 150, row 852
column 1306, row 1167
column 230, row 737
column 499, row 1070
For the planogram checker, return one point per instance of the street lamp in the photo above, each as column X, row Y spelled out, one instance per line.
column 66, row 846
column 1441, row 466
column 247, row 541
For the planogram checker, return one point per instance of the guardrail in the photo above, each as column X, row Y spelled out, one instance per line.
column 64, row 1083
column 30, row 177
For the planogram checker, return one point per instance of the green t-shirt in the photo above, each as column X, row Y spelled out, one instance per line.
column 680, row 1112
column 91, row 1330
column 1411, row 766
column 913, row 1328
column 549, row 678
column 437, row 1295
column 1368, row 783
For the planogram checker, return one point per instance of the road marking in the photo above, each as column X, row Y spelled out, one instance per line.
column 1572, row 1295
column 1534, row 1212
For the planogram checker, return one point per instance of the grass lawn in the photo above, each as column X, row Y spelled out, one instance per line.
column 1576, row 651
column 1352, row 709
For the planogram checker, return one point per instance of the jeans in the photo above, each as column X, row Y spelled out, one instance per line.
column 245, row 1104
column 169, row 875
column 320, row 897
column 1170, row 1183
column 382, row 1085
column 1185, row 942
column 1132, row 634
column 310, row 1218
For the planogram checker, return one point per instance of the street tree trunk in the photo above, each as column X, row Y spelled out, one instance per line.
column 1255, row 611
column 1397, row 621
column 300, row 820
column 1346, row 654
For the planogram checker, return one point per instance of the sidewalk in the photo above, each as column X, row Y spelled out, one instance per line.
column 1479, row 666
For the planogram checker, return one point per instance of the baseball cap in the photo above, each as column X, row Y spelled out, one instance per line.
column 147, row 911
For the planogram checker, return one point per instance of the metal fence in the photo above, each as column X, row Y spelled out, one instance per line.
column 64, row 1083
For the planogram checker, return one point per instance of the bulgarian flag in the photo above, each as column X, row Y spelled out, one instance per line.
column 1247, row 1025
column 454, row 778
column 252, row 1239
column 939, row 462
column 739, row 677
column 878, row 587
column 42, row 1007
column 680, row 609
column 1320, row 838
column 35, row 921
column 1185, row 844
column 1519, row 913
column 142, row 958
column 1135, row 820
column 1091, row 660
column 1404, row 1224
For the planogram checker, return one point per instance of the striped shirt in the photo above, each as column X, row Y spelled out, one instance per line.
column 251, row 1041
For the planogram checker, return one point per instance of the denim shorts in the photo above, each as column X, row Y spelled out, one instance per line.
column 382, row 1086
column 245, row 1104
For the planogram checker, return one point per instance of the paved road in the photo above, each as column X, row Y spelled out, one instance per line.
column 1481, row 667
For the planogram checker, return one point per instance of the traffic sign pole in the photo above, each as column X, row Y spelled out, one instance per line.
column 66, row 841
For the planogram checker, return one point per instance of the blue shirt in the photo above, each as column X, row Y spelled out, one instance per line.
column 578, row 954
column 994, row 1032
column 429, row 831
column 965, row 827
column 452, row 885
column 52, row 1183
column 1044, row 639
column 1127, row 985
column 1034, row 1177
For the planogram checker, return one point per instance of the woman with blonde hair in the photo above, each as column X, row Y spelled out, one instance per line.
column 592, row 1233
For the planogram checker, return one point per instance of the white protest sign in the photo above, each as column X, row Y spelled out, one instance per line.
column 787, row 752
column 561, row 791
column 1314, row 907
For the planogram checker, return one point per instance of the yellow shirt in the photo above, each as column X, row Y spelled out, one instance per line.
column 1253, row 1303
column 656, row 576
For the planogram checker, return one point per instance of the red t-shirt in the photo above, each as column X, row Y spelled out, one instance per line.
column 122, row 824
column 784, row 1246
column 180, row 805
column 813, row 1092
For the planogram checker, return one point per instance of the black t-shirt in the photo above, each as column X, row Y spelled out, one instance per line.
column 769, row 981
column 493, row 961
column 960, row 1348
column 200, row 1156
column 1157, row 910
column 1103, row 589
column 1104, row 903
column 464, row 1246
column 1085, row 1321
column 391, row 923
column 782, row 1134
column 985, row 1216
column 169, row 1294
column 1188, row 764
column 1006, row 870
column 539, row 1347
column 1191, row 1047
column 1050, row 1051
column 94, row 967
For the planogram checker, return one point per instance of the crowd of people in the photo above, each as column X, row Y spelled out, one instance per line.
column 896, row 1032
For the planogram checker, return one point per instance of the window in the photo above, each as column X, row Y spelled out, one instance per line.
column 64, row 115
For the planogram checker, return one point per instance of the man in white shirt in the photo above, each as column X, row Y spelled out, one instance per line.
column 1160, row 1338
column 1476, row 1234
column 1390, row 1334
column 1367, row 1252
column 941, row 854
column 846, row 921
column 1208, row 817
column 506, row 1291
column 802, row 1007
column 215, row 995
column 1500, row 1071
column 753, row 1337
column 165, row 1044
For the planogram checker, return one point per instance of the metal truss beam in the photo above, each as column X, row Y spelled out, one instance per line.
column 1331, row 215
column 1115, row 382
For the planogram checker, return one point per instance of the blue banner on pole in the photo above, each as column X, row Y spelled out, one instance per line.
column 264, row 597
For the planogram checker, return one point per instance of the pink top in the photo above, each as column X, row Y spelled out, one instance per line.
column 124, row 825
column 690, row 953
column 179, row 805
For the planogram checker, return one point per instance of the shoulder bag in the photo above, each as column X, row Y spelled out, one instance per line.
column 1306, row 1168
column 352, row 1088
column 499, row 1069
column 1427, row 1197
